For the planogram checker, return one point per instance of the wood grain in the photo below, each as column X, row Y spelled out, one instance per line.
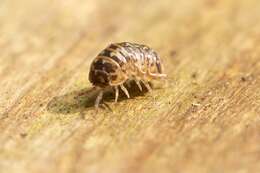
column 207, row 118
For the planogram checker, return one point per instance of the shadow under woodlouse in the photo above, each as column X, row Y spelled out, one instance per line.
column 81, row 100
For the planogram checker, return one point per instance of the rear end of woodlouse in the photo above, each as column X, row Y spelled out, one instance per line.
column 121, row 62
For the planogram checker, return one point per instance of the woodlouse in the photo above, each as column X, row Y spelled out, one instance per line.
column 120, row 62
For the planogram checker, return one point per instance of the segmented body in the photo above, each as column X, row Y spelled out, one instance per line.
column 124, row 61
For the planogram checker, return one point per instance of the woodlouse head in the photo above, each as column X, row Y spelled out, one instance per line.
column 99, row 78
column 104, row 73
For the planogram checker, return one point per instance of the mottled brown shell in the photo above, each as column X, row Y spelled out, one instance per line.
column 124, row 61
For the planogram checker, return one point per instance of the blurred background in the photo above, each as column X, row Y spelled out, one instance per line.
column 206, row 120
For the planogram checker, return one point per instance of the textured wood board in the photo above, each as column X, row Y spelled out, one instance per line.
column 206, row 120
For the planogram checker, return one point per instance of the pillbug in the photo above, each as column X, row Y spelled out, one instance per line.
column 120, row 62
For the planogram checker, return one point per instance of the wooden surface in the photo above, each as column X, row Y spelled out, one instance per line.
column 207, row 120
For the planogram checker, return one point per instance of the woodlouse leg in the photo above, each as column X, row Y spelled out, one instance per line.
column 139, row 70
column 116, row 93
column 125, row 90
column 156, row 76
column 98, row 99
column 139, row 85
column 146, row 84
